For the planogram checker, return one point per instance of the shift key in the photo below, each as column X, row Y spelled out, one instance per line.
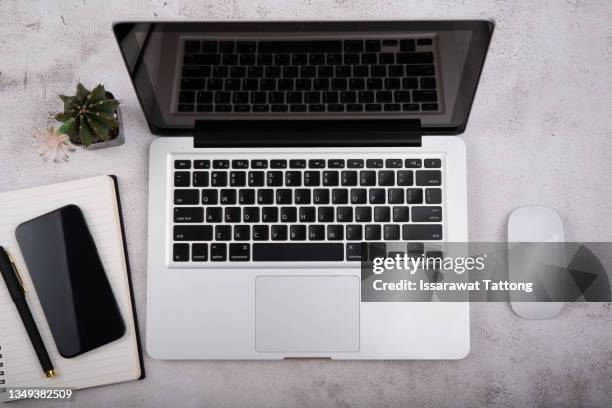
column 193, row 232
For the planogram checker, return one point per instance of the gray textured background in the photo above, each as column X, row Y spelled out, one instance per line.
column 539, row 134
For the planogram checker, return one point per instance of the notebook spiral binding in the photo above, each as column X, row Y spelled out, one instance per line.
column 2, row 387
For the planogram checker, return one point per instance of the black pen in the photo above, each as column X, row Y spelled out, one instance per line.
column 17, row 292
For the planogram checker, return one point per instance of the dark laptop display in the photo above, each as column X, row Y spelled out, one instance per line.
column 423, row 73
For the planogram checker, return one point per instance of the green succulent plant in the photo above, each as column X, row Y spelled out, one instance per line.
column 88, row 116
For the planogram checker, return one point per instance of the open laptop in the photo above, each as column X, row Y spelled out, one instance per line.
column 286, row 144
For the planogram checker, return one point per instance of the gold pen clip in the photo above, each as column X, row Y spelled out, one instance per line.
column 16, row 271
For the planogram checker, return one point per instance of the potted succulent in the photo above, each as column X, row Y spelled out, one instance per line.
column 91, row 118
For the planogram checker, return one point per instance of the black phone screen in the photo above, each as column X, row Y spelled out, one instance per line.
column 70, row 281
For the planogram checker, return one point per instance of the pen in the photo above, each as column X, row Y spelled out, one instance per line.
column 17, row 291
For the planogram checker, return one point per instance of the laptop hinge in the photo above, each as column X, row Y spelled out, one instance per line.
column 307, row 133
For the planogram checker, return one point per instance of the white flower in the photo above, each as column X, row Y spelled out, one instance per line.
column 52, row 144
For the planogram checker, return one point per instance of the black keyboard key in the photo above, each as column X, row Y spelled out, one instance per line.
column 240, row 164
column 316, row 59
column 218, row 179
column 258, row 97
column 269, row 214
column 288, row 214
column 410, row 107
column 182, row 164
column 226, row 46
column 407, row 45
column 302, row 196
column 335, row 232
column 250, row 214
column 240, row 97
column 192, row 46
column 218, row 252
column 214, row 84
column 339, row 196
column 394, row 71
column 351, row 59
column 192, row 233
column 384, row 96
column 278, row 233
column 374, row 163
column 201, row 164
column 261, row 108
column 303, row 84
column 199, row 252
column 424, row 96
column 374, row 84
column 365, row 96
column 214, row 214
column 354, row 107
column 348, row 178
column 229, row 59
column 325, row 214
column 300, row 46
column 294, row 97
column 259, row 164
column 361, row 71
column 415, row 58
column 354, row 233
column 344, row 214
column 401, row 214
column 297, row 164
column 413, row 163
column 186, row 197
column 264, row 59
column 265, row 196
column 293, row 178
column 419, row 70
column 392, row 107
column 297, row 233
column 181, row 179
column 279, row 108
column 410, row 83
column 195, row 71
column 353, row 45
column 348, row 96
column 402, row 96
column 335, row 108
column 391, row 232
column 239, row 252
column 378, row 71
column 220, row 71
column 334, row 59
column 320, row 196
column 232, row 214
column 421, row 232
column 353, row 251
column 237, row 72
column 278, row 164
column 429, row 106
column 237, row 178
column 246, row 47
column 308, row 71
column 306, row 214
column 354, row 163
column 201, row 59
column 432, row 163
column 246, row 196
column 187, row 97
column 369, row 58
column 359, row 195
column 372, row 45
column 180, row 252
column 386, row 177
column 433, row 196
column 298, row 252
column 188, row 214
column 356, row 84
column 395, row 196
column 426, row 214
column 428, row 83
column 343, row 71
column 261, row 232
column 330, row 178
column 283, row 195
column 256, row 178
column 424, row 41
column 373, row 107
column 274, row 178
column 363, row 214
column 276, row 97
column 316, row 163
column 377, row 196
column 404, row 178
column 312, row 178
column 414, row 196
column 428, row 178
column 210, row 197
column 386, row 58
column 312, row 97
column 382, row 214
column 282, row 59
column 316, row 232
column 223, row 108
column 372, row 232
column 367, row 178
column 221, row 164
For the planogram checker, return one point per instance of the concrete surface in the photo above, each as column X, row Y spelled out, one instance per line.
column 539, row 133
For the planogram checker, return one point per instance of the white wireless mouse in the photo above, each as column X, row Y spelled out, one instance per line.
column 535, row 224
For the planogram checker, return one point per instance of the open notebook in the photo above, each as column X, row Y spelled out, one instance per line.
column 115, row 362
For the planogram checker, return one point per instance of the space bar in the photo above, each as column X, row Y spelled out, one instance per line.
column 298, row 252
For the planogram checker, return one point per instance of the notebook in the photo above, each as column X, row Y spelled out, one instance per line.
column 118, row 361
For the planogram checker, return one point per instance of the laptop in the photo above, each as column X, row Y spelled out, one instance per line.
column 285, row 145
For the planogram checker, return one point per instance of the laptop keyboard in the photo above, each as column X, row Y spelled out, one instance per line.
column 324, row 76
column 267, row 210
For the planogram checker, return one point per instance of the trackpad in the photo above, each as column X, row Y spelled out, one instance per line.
column 307, row 313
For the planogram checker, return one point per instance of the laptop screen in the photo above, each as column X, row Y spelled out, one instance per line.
column 425, row 72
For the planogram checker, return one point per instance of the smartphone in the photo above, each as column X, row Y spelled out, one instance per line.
column 70, row 281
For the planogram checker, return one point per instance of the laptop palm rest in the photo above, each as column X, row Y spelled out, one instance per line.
column 307, row 314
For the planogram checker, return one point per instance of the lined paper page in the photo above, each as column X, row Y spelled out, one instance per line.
column 115, row 362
